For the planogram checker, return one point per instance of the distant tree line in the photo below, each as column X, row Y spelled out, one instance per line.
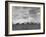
column 27, row 23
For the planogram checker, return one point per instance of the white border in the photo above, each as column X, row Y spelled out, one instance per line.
column 23, row 31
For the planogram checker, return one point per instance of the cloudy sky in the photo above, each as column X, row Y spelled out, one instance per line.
column 25, row 14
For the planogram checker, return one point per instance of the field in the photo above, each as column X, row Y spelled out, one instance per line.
column 27, row 26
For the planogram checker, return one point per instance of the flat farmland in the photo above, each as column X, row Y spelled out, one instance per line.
column 27, row 26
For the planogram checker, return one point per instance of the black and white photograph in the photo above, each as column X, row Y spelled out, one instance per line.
column 24, row 18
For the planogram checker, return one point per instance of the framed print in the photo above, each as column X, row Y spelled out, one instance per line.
column 24, row 18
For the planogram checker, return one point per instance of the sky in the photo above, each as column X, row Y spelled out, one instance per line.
column 25, row 14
